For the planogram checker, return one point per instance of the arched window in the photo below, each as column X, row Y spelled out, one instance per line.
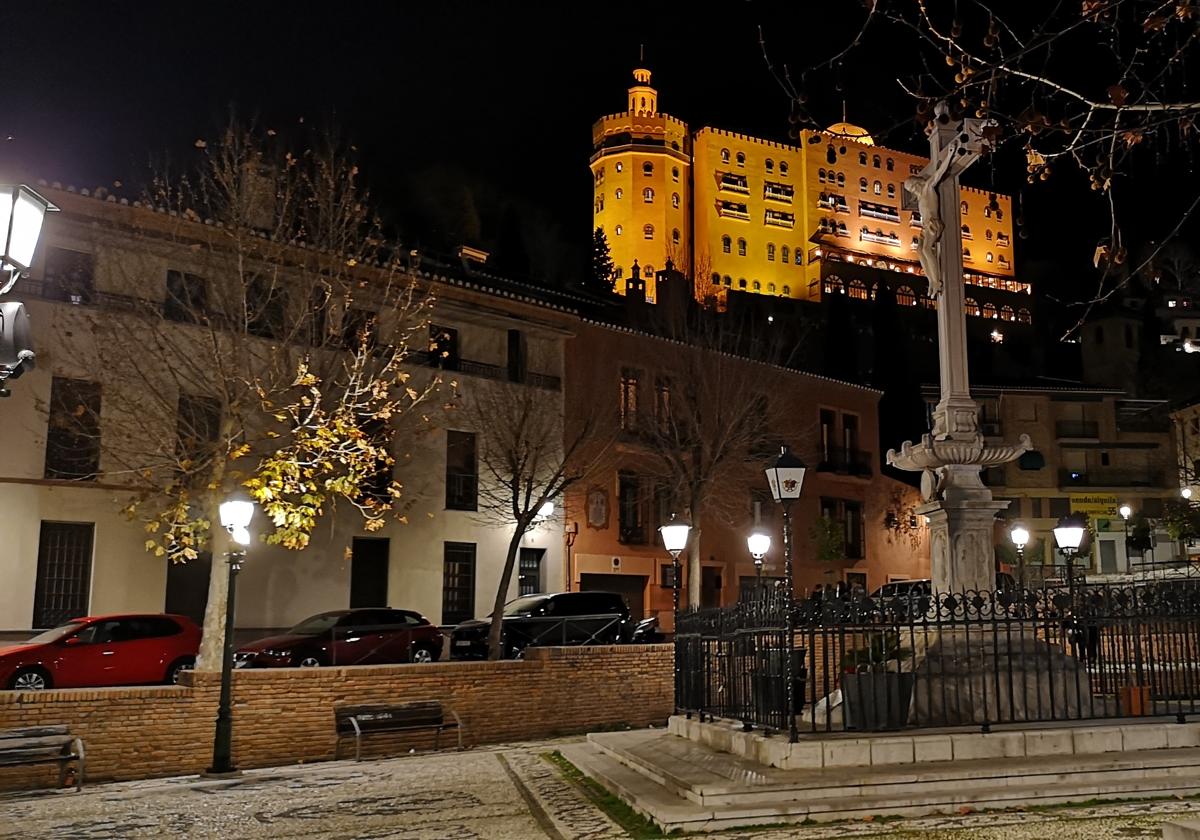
column 796, row 256
column 987, row 211
column 878, row 188
column 726, row 244
column 618, row 271
column 967, row 254
column 1007, row 314
column 891, row 190
column 971, row 306
column 675, row 174
column 914, row 244
column 999, row 214
column 832, row 285
column 741, row 282
column 770, row 165
column 862, row 184
column 821, row 175
column 987, row 234
column 675, row 200
column 648, row 270
column 620, row 230
column 724, row 156
column 787, row 290
column 648, row 195
column 966, row 232
column 741, row 158
column 823, row 225
column 875, row 161
column 988, row 256
column 989, row 310
column 648, row 232
column 620, row 166
column 675, row 236
column 757, row 286
column 1023, row 316
column 783, row 168
column 771, row 252
column 728, row 280
column 842, row 229
column 647, row 168
column 963, row 208
column 741, row 247
column 905, row 296
column 841, row 179
column 862, row 158
column 858, row 290
column 784, row 255
column 620, row 193
column 771, row 288
column 716, row 279
column 891, row 164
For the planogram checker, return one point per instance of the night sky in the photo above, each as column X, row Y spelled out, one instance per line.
column 504, row 94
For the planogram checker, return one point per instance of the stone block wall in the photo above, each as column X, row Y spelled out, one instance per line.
column 284, row 716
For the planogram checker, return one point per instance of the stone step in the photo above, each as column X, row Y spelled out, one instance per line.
column 709, row 777
column 672, row 812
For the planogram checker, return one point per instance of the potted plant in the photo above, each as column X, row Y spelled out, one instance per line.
column 875, row 689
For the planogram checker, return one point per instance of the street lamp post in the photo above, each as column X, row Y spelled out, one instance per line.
column 1020, row 538
column 235, row 518
column 786, row 479
column 1069, row 535
column 675, row 536
column 1126, row 511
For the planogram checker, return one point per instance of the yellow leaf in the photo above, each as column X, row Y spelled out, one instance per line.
column 150, row 545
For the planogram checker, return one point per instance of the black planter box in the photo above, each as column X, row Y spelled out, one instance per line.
column 876, row 702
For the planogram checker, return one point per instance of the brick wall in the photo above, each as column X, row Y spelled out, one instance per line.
column 283, row 716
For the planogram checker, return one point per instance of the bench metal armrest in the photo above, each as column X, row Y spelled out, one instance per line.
column 458, row 724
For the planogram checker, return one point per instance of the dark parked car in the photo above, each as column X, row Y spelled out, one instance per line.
column 102, row 650
column 565, row 618
column 369, row 636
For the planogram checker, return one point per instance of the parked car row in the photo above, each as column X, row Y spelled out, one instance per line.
column 155, row 648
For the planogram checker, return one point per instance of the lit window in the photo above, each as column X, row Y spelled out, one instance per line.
column 963, row 208
column 858, row 290
column 620, row 166
column 989, row 256
column 741, row 159
column 619, row 272
column 648, row 232
column 771, row 252
column 1023, row 316
column 862, row 184
column 648, row 270
column 784, row 254
column 741, row 282
column 675, row 236
column 771, row 288
column 726, row 244
column 741, row 247
column 619, row 230
column 989, row 310
column 757, row 286
column 1007, row 314
column 971, row 306
column 783, row 168
column 648, row 195
column 905, row 296
column 675, row 174
column 770, row 165
column 987, row 212
column 724, row 156
column 797, row 255
column 620, row 193
column 878, row 188
column 675, row 200
column 647, row 168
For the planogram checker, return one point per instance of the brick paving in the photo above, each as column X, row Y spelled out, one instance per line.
column 499, row 792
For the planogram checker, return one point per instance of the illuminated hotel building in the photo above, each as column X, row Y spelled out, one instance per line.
column 807, row 221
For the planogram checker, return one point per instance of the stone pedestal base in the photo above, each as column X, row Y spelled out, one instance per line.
column 960, row 543
column 980, row 678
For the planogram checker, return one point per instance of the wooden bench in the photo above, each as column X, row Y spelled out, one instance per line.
column 43, row 745
column 425, row 715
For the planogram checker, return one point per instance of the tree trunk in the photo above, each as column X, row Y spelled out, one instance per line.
column 510, row 562
column 212, row 640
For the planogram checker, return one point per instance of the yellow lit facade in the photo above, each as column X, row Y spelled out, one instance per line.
column 806, row 221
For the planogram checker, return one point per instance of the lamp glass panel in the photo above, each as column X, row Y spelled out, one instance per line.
column 6, row 207
column 759, row 544
column 785, row 482
column 1068, row 536
column 1020, row 536
column 236, row 513
column 675, row 536
column 27, row 216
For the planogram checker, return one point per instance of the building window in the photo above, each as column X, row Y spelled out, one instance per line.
column 771, row 288
column 675, row 174
column 197, row 430
column 630, row 382
column 783, row 168
column 647, row 231
column 675, row 235
column 966, row 232
column 963, row 208
column 757, row 286
column 797, row 256
column 1023, row 316
column 516, row 356
column 1007, row 314
column 971, row 306
column 266, row 304
column 462, row 471
column 716, row 279
column 862, row 184
column 64, row 572
column 358, row 329
column 862, row 158
column 741, row 158
column 741, row 282
column 771, row 252
column 988, row 256
column 852, row 519
column 458, row 582
column 787, row 290
column 905, row 296
column 620, row 193
column 858, row 290
column 989, row 310
column 647, row 168
column 619, row 230
column 648, row 195
column 648, row 270
column 875, row 161
column 443, row 347
column 726, row 244
column 741, row 247
column 770, row 165
column 841, row 178
column 529, row 575
column 73, row 430
column 728, row 280
column 68, row 276
column 891, row 164
column 784, row 255
column 631, row 520
column 187, row 298
column 891, row 190
column 877, row 188
column 821, row 175
column 675, row 200
column 620, row 166
column 833, row 285
column 987, row 234
column 724, row 156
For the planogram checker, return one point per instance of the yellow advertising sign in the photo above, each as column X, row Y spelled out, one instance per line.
column 1095, row 505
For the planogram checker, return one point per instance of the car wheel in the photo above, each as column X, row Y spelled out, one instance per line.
column 422, row 655
column 30, row 679
column 177, row 668
column 309, row 662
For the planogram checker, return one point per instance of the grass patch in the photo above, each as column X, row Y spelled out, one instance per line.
column 633, row 823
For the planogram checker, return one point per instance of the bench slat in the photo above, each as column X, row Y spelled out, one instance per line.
column 52, row 742
column 32, row 732
column 17, row 756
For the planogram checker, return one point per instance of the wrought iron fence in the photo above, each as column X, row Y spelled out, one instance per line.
column 974, row 658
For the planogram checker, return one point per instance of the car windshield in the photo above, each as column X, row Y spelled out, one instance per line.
column 316, row 625
column 524, row 606
column 53, row 635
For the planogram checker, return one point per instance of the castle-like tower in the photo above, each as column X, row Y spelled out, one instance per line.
column 824, row 217
column 641, row 173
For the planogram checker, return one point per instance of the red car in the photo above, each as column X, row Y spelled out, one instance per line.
column 102, row 650
column 365, row 636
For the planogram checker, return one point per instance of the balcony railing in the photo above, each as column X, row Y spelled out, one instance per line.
column 846, row 462
column 1076, row 429
column 484, row 370
column 1111, row 477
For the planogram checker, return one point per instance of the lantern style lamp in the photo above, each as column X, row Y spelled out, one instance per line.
column 22, row 212
column 759, row 543
column 1186, row 492
column 786, row 477
column 675, row 537
column 1126, row 511
column 1069, row 536
column 1020, row 538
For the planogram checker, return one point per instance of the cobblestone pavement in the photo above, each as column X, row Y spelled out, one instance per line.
column 499, row 792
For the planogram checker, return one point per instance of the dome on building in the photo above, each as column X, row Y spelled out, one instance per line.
column 850, row 131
